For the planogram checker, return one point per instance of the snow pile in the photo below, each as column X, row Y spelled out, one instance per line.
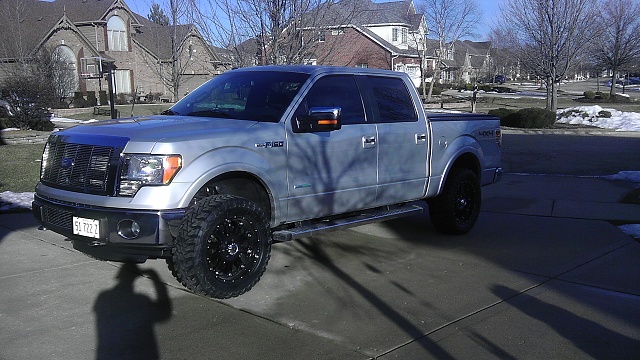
column 10, row 201
column 630, row 176
column 632, row 230
column 600, row 117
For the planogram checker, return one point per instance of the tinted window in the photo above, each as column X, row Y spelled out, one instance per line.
column 246, row 95
column 335, row 91
column 393, row 99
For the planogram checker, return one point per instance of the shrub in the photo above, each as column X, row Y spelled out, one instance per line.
column 535, row 118
column 104, row 99
column 78, row 100
column 91, row 98
column 603, row 95
column 590, row 95
column 503, row 89
column 437, row 89
column 502, row 112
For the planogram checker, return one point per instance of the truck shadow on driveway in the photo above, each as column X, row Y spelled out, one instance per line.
column 315, row 250
column 125, row 319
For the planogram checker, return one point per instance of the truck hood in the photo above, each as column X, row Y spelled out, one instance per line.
column 158, row 128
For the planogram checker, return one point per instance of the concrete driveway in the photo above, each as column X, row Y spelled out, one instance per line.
column 542, row 275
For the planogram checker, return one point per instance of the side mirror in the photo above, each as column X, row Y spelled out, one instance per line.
column 320, row 119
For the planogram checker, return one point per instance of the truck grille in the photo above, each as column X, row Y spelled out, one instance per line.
column 60, row 218
column 83, row 168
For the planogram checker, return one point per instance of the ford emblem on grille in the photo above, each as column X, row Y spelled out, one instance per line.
column 66, row 163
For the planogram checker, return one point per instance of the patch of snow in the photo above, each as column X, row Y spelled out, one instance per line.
column 597, row 116
column 630, row 176
column 632, row 230
column 10, row 201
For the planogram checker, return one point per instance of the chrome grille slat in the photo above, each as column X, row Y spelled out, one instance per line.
column 61, row 218
column 79, row 167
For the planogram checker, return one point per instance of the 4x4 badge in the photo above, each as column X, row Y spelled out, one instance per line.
column 271, row 144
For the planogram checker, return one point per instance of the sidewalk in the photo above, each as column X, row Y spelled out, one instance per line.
column 537, row 278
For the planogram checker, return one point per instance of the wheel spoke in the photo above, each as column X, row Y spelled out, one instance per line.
column 232, row 252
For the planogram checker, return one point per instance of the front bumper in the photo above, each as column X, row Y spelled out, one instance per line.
column 157, row 229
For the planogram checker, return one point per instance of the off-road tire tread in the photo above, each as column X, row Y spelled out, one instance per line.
column 192, row 228
column 441, row 207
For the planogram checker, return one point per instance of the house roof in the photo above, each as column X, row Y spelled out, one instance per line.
column 363, row 13
column 28, row 22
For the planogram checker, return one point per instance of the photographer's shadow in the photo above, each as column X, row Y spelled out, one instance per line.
column 125, row 320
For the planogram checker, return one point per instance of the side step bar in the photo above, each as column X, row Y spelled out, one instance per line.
column 367, row 217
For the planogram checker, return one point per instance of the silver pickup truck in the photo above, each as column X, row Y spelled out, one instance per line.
column 261, row 155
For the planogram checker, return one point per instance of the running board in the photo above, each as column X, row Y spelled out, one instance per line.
column 367, row 217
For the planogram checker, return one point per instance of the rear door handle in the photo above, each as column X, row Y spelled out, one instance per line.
column 421, row 138
column 368, row 142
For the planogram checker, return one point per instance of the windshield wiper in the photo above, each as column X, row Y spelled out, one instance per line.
column 212, row 113
column 169, row 112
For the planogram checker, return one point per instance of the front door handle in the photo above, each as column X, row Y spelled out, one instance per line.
column 421, row 138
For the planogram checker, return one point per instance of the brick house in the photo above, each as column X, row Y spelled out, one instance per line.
column 389, row 35
column 462, row 61
column 107, row 30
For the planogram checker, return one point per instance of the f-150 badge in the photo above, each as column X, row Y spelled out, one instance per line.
column 271, row 144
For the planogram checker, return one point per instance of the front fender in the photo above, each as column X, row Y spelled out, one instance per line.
column 269, row 170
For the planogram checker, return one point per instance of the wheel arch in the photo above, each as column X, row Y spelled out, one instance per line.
column 239, row 183
column 467, row 159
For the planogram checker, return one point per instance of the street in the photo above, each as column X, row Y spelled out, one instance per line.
column 542, row 275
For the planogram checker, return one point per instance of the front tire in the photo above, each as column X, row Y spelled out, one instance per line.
column 457, row 208
column 223, row 246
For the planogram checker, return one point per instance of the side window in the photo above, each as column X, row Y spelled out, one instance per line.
column 393, row 100
column 335, row 91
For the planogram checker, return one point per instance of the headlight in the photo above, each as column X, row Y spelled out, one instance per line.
column 45, row 160
column 140, row 170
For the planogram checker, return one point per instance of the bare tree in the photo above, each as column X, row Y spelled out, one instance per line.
column 619, row 45
column 261, row 32
column 503, row 58
column 170, row 67
column 449, row 21
column 549, row 34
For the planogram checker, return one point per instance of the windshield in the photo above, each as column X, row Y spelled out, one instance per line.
column 245, row 95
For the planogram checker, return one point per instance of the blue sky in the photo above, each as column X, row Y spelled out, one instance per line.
column 490, row 10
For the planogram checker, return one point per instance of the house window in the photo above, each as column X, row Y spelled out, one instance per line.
column 321, row 36
column 117, row 34
column 362, row 65
column 405, row 33
column 394, row 34
column 122, row 81
column 64, row 71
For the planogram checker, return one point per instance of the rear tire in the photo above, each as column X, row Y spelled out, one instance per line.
column 223, row 246
column 455, row 211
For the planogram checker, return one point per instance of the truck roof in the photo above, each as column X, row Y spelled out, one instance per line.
column 317, row 69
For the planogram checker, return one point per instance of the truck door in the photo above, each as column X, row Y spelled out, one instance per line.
column 332, row 172
column 402, row 139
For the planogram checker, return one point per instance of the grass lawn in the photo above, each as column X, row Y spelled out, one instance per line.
column 20, row 169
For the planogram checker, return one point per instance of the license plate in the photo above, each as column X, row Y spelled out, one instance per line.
column 86, row 227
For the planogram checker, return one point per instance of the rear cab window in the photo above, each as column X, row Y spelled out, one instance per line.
column 389, row 99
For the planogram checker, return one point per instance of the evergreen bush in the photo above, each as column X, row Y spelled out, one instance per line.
column 530, row 118
column 91, row 98
column 104, row 99
column 78, row 100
